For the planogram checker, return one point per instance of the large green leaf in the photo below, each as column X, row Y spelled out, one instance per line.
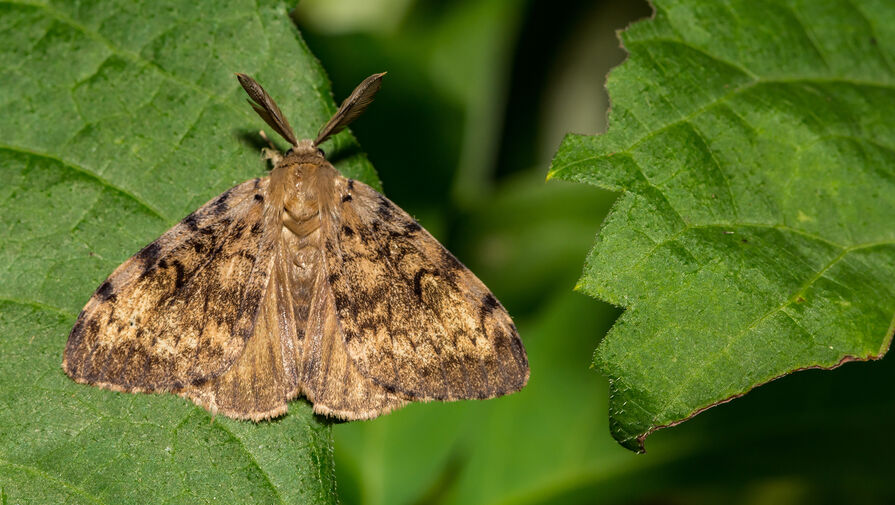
column 119, row 118
column 754, row 143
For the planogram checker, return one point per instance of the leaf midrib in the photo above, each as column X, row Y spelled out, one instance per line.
column 90, row 174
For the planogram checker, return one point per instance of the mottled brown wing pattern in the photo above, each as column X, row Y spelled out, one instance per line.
column 296, row 346
column 303, row 282
column 414, row 319
column 179, row 312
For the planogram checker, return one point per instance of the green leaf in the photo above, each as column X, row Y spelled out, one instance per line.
column 118, row 119
column 754, row 143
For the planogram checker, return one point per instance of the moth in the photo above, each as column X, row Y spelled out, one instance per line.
column 303, row 282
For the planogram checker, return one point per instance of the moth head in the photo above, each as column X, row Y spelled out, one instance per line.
column 305, row 147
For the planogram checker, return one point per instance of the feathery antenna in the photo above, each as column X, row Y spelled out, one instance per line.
column 351, row 108
column 267, row 108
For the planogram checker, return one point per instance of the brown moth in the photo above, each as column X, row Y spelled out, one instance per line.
column 299, row 283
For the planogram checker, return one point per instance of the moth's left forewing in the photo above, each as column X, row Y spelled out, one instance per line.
column 414, row 319
column 178, row 313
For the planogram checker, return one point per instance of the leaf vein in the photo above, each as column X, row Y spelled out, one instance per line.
column 253, row 461
column 59, row 481
column 130, row 55
column 688, row 381
column 37, row 305
column 84, row 171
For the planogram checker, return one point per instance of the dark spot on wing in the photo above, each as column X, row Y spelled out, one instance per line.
column 191, row 222
column 350, row 184
column 346, row 198
column 220, row 203
column 105, row 292
column 180, row 278
column 347, row 231
column 489, row 303
column 197, row 244
column 257, row 227
column 92, row 327
column 417, row 283
column 148, row 257
column 330, row 248
column 412, row 227
column 149, row 254
column 76, row 335
column 258, row 197
column 519, row 354
column 384, row 209
column 342, row 301
column 450, row 261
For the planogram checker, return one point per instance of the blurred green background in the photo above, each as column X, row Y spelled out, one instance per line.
column 478, row 95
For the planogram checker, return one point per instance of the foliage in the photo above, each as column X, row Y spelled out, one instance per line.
column 754, row 146
column 118, row 121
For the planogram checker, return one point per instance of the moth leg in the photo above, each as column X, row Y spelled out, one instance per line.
column 270, row 153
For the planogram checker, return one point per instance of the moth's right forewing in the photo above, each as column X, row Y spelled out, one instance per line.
column 414, row 319
column 178, row 312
